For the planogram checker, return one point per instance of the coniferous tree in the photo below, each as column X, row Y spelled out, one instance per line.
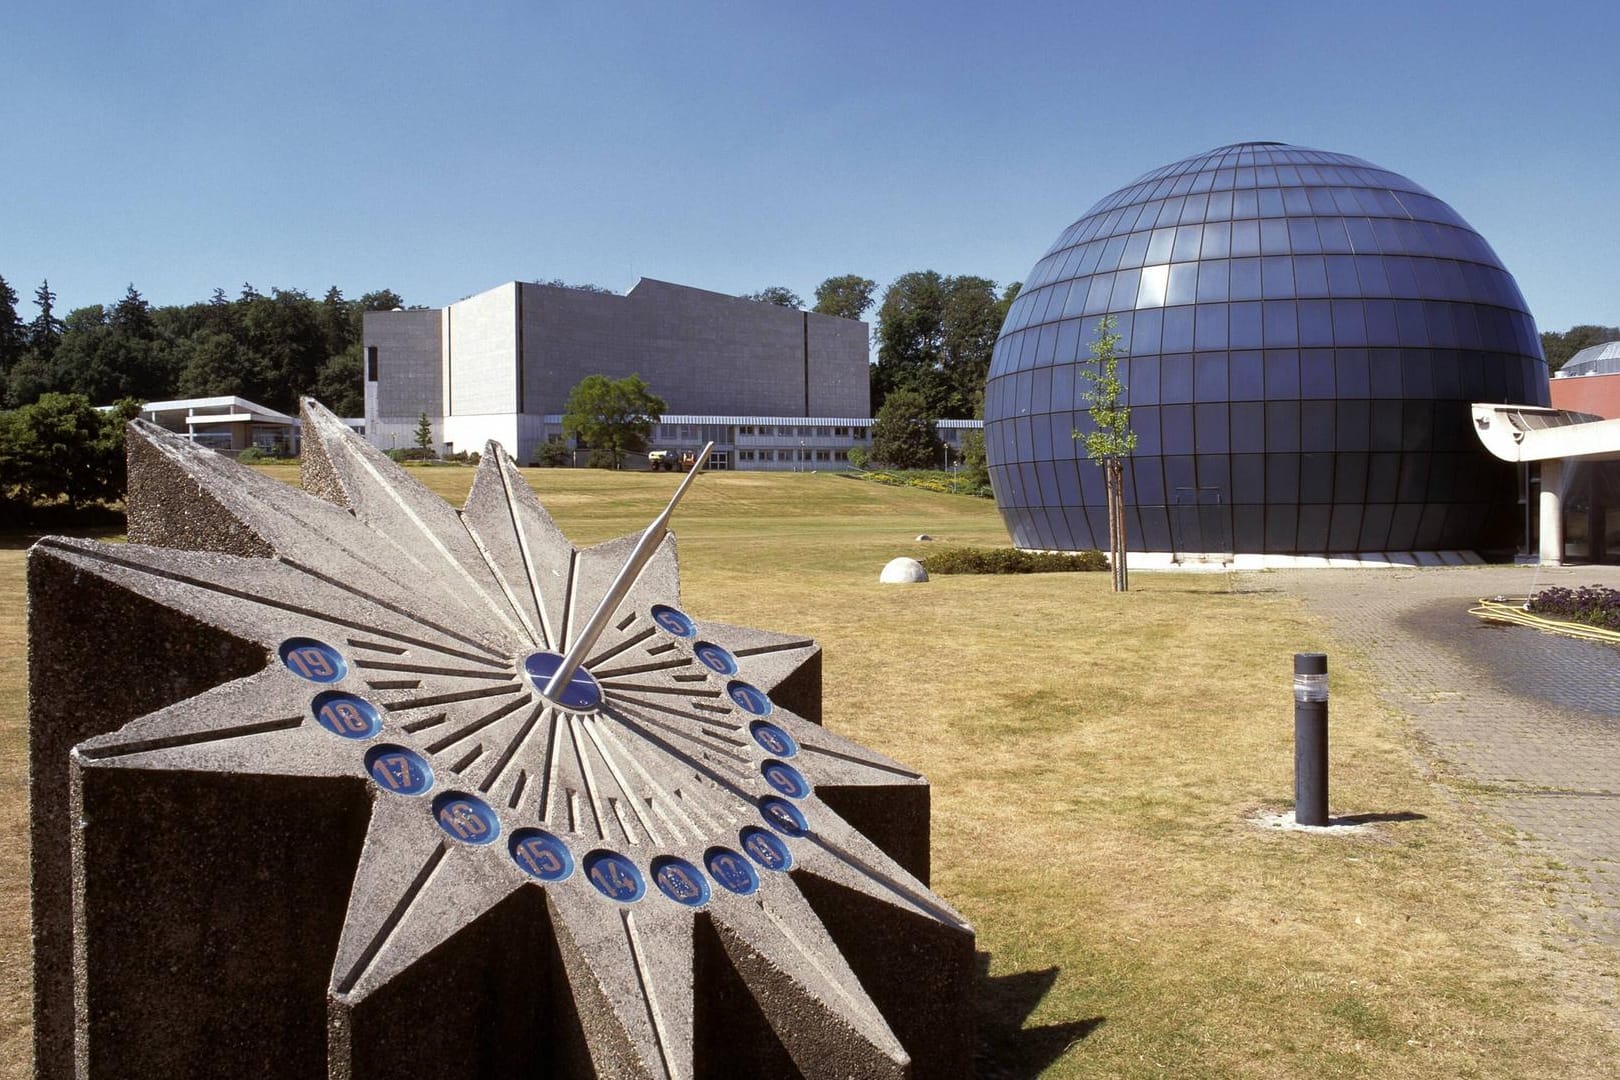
column 45, row 332
column 13, row 335
column 132, row 316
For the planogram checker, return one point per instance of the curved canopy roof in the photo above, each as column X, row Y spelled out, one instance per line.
column 1530, row 433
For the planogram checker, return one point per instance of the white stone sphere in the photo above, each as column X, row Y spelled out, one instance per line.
column 903, row 571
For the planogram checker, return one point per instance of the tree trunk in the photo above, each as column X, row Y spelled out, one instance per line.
column 1115, row 474
column 1124, row 533
column 1113, row 525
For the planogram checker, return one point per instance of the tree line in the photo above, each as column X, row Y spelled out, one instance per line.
column 270, row 348
column 1558, row 346
column 935, row 333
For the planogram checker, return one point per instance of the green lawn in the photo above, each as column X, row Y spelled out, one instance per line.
column 1095, row 760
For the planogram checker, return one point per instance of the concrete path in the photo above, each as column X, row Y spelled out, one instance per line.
column 1528, row 722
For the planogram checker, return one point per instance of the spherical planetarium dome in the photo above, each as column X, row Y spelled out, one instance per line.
column 1303, row 334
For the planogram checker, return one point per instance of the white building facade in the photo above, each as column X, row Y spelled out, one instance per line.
column 500, row 365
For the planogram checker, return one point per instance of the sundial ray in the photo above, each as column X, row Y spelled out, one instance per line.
column 674, row 783
column 246, row 513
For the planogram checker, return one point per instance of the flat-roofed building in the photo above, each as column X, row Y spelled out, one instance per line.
column 226, row 423
column 500, row 364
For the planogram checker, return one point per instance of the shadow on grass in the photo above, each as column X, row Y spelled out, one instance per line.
column 1007, row 1049
column 92, row 522
column 1368, row 819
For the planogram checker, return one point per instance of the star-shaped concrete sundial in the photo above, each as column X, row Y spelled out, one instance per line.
column 505, row 804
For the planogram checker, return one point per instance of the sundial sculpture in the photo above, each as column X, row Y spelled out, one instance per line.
column 343, row 782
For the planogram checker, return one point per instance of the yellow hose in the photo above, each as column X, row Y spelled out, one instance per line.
column 1505, row 609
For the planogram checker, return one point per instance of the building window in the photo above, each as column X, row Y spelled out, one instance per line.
column 824, row 432
column 840, row 455
column 823, row 455
column 841, row 432
column 745, row 429
column 745, row 455
column 371, row 363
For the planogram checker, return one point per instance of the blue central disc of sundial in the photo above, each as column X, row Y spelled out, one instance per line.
column 582, row 692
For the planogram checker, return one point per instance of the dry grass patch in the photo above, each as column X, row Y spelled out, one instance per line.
column 1096, row 760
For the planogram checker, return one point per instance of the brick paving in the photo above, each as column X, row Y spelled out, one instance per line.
column 1528, row 722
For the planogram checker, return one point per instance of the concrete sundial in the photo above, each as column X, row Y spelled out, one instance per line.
column 495, row 805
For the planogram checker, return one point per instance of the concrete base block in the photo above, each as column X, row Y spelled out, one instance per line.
column 302, row 808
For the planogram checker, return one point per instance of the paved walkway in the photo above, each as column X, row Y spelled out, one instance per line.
column 1530, row 722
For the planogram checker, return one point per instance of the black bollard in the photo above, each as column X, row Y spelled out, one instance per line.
column 1310, row 739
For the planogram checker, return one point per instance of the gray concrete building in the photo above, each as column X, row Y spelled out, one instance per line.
column 500, row 365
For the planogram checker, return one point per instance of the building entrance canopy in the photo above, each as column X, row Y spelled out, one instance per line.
column 1552, row 437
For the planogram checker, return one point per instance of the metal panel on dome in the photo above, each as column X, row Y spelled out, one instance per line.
column 1266, row 295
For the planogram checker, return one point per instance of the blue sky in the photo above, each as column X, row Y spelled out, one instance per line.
column 441, row 149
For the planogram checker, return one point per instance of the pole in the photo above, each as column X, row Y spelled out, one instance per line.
column 643, row 551
column 1310, row 739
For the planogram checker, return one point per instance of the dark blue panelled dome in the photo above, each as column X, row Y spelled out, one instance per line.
column 1304, row 333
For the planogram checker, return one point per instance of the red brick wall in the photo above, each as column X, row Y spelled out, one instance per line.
column 1598, row 394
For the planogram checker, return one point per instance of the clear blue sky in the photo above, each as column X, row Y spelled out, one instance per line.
column 441, row 149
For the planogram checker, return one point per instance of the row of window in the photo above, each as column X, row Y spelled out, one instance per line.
column 1255, row 153
column 1297, row 529
column 1345, row 225
column 1247, row 427
column 792, row 455
column 1224, row 177
column 1291, row 202
column 1272, row 278
column 1218, row 176
column 781, row 431
column 1246, row 479
column 687, row 433
column 1277, row 324
column 1303, row 166
column 1332, row 236
column 1279, row 375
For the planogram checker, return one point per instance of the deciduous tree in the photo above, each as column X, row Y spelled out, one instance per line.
column 1110, row 440
column 845, row 297
column 616, row 415
column 1558, row 346
column 60, row 448
column 904, row 434
column 936, row 335
column 779, row 295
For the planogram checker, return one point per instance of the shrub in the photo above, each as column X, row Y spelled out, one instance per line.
column 1592, row 605
column 857, row 457
column 966, row 560
column 554, row 455
column 935, row 480
column 975, row 467
column 61, row 449
column 602, row 459
column 412, row 454
column 252, row 454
